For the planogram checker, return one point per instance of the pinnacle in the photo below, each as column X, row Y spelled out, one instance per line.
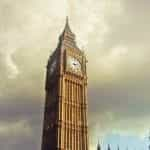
column 67, row 26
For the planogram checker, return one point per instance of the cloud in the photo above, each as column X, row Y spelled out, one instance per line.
column 115, row 36
column 9, row 129
column 15, row 134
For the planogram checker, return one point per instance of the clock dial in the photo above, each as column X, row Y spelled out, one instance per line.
column 52, row 67
column 74, row 64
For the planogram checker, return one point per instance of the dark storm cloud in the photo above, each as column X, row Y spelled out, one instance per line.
column 125, row 102
column 21, row 121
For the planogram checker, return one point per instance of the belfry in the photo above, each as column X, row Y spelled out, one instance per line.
column 65, row 117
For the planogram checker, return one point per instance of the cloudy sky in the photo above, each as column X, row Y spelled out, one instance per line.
column 114, row 35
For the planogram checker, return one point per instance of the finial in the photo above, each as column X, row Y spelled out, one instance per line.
column 67, row 20
column 118, row 147
column 98, row 146
column 149, row 141
column 67, row 23
column 109, row 147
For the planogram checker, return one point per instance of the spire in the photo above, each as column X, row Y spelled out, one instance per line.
column 67, row 20
column 109, row 147
column 98, row 146
column 67, row 27
column 67, row 36
column 118, row 148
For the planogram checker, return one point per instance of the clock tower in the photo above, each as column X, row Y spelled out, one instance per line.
column 65, row 116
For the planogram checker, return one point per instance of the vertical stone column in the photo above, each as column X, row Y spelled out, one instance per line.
column 67, row 136
column 77, row 113
column 78, row 139
column 72, row 96
column 75, row 138
column 67, row 115
column 87, row 138
column 83, row 109
column 72, row 101
column 65, row 132
column 75, row 130
column 79, row 102
column 81, row 124
column 76, row 119
column 69, row 101
column 60, row 111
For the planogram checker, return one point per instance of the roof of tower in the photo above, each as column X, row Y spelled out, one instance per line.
column 68, row 37
column 109, row 147
column 118, row 147
column 98, row 146
column 67, row 30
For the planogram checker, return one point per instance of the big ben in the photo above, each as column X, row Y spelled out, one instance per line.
column 65, row 117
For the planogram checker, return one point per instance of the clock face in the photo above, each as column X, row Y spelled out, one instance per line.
column 52, row 67
column 74, row 64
